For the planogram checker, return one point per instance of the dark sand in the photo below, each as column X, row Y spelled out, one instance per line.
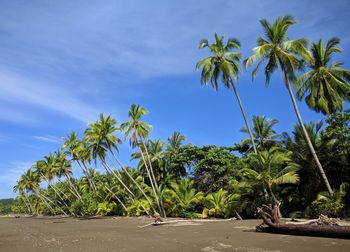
column 123, row 234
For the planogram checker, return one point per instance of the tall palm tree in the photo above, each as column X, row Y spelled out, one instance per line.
column 79, row 152
column 173, row 148
column 21, row 187
column 224, row 63
column 31, row 180
column 46, row 169
column 100, row 137
column 263, row 133
column 326, row 84
column 64, row 168
column 272, row 167
column 139, row 132
column 279, row 51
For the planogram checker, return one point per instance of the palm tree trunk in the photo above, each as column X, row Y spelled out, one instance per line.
column 54, row 189
column 133, row 180
column 25, row 200
column 244, row 117
column 301, row 123
column 82, row 166
column 272, row 195
column 30, row 204
column 88, row 173
column 115, row 196
column 151, row 178
column 109, row 170
column 44, row 201
column 73, row 187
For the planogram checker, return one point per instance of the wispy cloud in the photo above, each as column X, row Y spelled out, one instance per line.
column 49, row 139
column 25, row 91
column 10, row 174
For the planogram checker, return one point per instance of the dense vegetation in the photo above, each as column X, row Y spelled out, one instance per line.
column 306, row 170
column 6, row 205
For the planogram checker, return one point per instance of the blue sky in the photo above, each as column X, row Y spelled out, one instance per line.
column 64, row 62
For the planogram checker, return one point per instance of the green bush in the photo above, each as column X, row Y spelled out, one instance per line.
column 87, row 206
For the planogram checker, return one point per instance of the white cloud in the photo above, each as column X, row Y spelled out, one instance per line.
column 10, row 174
column 49, row 139
column 25, row 91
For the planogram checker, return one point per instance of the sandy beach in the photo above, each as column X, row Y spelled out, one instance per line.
column 125, row 234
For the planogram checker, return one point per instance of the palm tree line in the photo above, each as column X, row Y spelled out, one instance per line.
column 161, row 183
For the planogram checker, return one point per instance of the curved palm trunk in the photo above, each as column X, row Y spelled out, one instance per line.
column 115, row 196
column 72, row 187
column 44, row 201
column 244, row 116
column 272, row 195
column 151, row 176
column 88, row 173
column 133, row 180
column 109, row 170
column 54, row 189
column 82, row 166
column 309, row 143
column 27, row 203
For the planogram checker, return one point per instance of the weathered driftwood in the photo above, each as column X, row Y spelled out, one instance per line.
column 332, row 231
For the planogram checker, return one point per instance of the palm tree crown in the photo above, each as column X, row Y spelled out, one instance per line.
column 326, row 85
column 277, row 50
column 224, row 63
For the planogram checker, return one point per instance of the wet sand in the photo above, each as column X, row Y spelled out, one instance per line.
column 124, row 234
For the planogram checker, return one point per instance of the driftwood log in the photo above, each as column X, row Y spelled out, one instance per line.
column 270, row 225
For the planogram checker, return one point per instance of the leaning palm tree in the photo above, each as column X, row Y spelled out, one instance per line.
column 100, row 137
column 224, row 63
column 80, row 154
column 139, row 132
column 326, row 84
column 279, row 51
column 64, row 168
column 272, row 167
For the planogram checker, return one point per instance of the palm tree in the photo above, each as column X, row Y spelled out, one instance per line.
column 31, row 182
column 79, row 152
column 272, row 167
column 263, row 133
column 279, row 51
column 64, row 168
column 173, row 148
column 46, row 169
column 217, row 203
column 101, row 139
column 223, row 63
column 326, row 84
column 139, row 132
column 184, row 195
column 310, row 180
column 21, row 187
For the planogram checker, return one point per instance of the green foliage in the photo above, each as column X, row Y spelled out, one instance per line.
column 211, row 167
column 87, row 206
column 329, row 205
column 6, row 205
column 135, row 208
column 181, row 198
column 105, row 208
column 218, row 203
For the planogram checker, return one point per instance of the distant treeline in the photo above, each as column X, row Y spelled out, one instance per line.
column 5, row 205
